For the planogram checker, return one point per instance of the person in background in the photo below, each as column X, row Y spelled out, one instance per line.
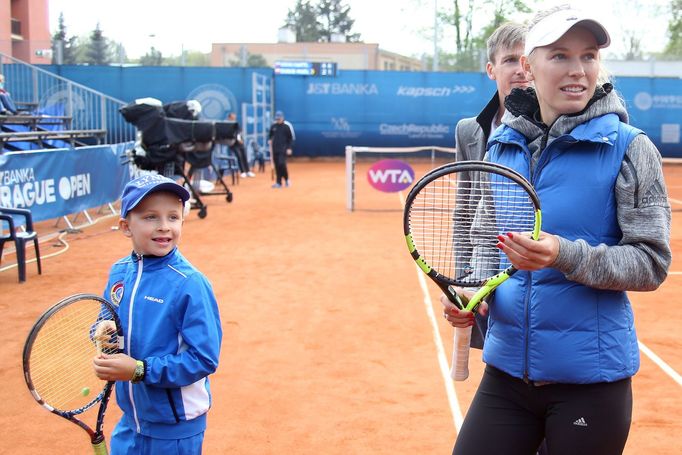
column 561, row 346
column 7, row 105
column 504, row 49
column 280, row 140
column 240, row 150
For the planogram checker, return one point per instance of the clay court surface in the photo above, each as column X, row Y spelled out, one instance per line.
column 328, row 346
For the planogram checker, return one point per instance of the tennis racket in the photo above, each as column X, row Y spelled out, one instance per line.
column 453, row 216
column 58, row 359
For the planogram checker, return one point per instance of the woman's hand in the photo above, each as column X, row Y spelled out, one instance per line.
column 455, row 316
column 527, row 254
column 115, row 367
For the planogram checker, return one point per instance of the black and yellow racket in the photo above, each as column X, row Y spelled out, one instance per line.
column 453, row 217
column 58, row 360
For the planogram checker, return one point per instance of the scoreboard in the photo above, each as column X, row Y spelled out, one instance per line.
column 302, row 68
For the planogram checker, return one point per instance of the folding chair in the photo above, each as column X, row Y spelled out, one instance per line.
column 19, row 237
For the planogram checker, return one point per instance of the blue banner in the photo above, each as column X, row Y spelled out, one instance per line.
column 371, row 108
column 379, row 108
column 655, row 106
column 64, row 181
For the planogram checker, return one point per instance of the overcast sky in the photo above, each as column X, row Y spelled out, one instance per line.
column 402, row 26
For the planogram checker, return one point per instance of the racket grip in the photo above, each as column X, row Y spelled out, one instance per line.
column 460, row 354
column 100, row 448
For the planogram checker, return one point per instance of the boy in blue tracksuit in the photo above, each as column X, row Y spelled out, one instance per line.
column 171, row 325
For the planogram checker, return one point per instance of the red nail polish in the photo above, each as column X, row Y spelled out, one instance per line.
column 511, row 236
column 500, row 246
column 500, row 238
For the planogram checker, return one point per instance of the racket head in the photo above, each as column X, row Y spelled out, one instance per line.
column 454, row 214
column 59, row 351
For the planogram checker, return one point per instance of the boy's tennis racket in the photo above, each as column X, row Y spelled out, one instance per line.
column 453, row 216
column 58, row 359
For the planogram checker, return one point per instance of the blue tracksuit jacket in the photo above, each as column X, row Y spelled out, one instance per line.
column 170, row 320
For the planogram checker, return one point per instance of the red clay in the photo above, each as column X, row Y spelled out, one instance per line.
column 327, row 347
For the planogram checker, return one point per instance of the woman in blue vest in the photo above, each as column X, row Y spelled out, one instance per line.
column 561, row 346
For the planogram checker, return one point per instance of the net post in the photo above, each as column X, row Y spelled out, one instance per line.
column 350, row 178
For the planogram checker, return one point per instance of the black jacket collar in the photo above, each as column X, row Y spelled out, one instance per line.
column 485, row 118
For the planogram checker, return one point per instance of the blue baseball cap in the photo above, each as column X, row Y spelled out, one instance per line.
column 279, row 114
column 138, row 188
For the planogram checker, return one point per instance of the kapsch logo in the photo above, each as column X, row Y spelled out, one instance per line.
column 390, row 176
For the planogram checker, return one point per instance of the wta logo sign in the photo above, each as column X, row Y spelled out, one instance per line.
column 390, row 176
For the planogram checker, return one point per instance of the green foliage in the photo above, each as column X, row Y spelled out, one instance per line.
column 674, row 47
column 153, row 57
column 318, row 22
column 334, row 17
column 67, row 44
column 470, row 43
column 303, row 20
column 196, row 58
column 98, row 52
column 246, row 59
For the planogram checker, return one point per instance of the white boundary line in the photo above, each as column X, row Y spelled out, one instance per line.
column 457, row 416
column 658, row 361
column 456, row 411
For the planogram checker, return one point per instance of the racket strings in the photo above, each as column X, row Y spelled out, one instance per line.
column 61, row 358
column 455, row 221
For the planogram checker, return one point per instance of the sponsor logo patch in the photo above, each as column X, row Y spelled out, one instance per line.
column 390, row 176
column 116, row 293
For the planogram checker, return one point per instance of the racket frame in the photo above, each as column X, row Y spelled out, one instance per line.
column 97, row 435
column 445, row 283
column 460, row 353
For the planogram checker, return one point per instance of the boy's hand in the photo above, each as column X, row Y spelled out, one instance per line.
column 115, row 367
column 103, row 337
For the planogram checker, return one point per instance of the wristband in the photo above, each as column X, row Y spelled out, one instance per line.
column 138, row 374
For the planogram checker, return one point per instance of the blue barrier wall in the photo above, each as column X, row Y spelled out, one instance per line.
column 220, row 90
column 372, row 108
column 54, row 183
column 378, row 108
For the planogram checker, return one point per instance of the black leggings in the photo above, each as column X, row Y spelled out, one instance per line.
column 240, row 153
column 508, row 416
column 281, row 171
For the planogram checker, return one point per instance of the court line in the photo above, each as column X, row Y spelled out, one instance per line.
column 662, row 365
column 676, row 201
column 455, row 410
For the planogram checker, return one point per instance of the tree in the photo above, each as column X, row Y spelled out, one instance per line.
column 153, row 57
column 190, row 58
column 470, row 48
column 247, row 59
column 334, row 18
column 63, row 44
column 674, row 46
column 316, row 23
column 98, row 48
column 303, row 21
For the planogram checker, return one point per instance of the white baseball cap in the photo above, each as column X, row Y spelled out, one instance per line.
column 553, row 26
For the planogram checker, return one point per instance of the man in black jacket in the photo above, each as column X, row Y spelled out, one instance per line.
column 504, row 47
column 280, row 140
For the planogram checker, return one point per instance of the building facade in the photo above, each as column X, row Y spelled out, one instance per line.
column 25, row 30
column 348, row 56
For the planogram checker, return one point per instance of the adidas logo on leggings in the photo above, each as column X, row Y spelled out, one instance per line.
column 580, row 422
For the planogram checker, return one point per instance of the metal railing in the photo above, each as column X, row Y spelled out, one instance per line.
column 41, row 92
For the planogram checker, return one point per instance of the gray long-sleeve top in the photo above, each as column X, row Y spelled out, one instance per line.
column 641, row 259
